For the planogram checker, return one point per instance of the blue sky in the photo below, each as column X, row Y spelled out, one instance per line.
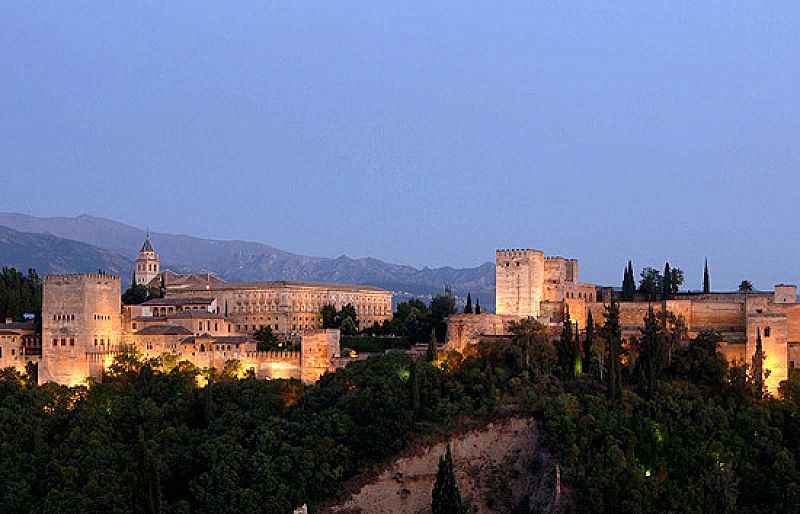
column 418, row 133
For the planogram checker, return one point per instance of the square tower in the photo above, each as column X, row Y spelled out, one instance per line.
column 519, row 282
column 81, row 318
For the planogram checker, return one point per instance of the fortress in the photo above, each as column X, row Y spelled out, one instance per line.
column 207, row 321
column 201, row 319
column 528, row 284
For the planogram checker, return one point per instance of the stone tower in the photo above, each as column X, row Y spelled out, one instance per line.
column 519, row 282
column 147, row 263
column 81, row 320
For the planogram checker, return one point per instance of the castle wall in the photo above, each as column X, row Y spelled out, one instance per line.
column 318, row 348
column 466, row 329
column 80, row 314
column 519, row 282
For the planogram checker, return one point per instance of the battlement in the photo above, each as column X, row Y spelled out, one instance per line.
column 79, row 277
column 274, row 355
column 511, row 253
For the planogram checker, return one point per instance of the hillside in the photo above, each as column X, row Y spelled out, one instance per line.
column 50, row 254
column 243, row 260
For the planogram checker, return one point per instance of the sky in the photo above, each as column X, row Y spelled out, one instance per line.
column 425, row 133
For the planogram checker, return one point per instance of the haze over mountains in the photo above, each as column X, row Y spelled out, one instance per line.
column 86, row 243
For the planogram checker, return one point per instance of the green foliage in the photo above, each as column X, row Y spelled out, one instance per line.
column 20, row 294
column 653, row 285
column 612, row 332
column 345, row 319
column 745, row 286
column 266, row 340
column 706, row 279
column 565, row 348
column 446, row 496
column 374, row 344
column 468, row 306
column 139, row 293
column 628, row 283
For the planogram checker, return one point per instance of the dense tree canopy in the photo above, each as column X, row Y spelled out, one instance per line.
column 20, row 294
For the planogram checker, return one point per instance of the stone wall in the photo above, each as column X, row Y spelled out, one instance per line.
column 80, row 314
column 319, row 348
column 519, row 282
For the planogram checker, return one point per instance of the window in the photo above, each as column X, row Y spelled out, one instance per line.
column 72, row 341
column 55, row 342
column 767, row 332
column 791, row 364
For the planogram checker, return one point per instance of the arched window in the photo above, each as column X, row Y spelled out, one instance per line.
column 202, row 347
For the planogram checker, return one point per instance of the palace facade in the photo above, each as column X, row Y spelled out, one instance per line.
column 201, row 319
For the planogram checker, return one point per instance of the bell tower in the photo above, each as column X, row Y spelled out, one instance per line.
column 147, row 263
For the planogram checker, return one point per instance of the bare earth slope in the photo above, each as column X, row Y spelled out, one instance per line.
column 496, row 467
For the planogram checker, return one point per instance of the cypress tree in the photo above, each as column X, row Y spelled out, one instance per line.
column 446, row 496
column 591, row 358
column 706, row 281
column 433, row 349
column 613, row 334
column 577, row 363
column 758, row 367
column 468, row 307
column 478, row 306
column 628, row 283
column 565, row 348
column 666, row 283
column 651, row 351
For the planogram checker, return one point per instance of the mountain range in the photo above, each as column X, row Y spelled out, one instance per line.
column 86, row 243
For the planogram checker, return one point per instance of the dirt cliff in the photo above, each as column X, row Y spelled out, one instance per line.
column 498, row 468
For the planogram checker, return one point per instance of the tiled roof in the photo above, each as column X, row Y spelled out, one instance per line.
column 191, row 313
column 147, row 247
column 171, row 330
column 17, row 325
column 179, row 301
column 291, row 284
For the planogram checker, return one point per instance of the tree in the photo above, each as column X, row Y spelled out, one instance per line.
column 328, row 313
column 666, row 283
column 650, row 282
column 612, row 331
column 675, row 280
column 478, row 306
column 590, row 355
column 538, row 354
column 652, row 351
column 706, row 281
column 565, row 347
column 577, row 361
column 628, row 283
column 442, row 306
column 758, row 367
column 348, row 327
column 139, row 293
column 468, row 307
column 746, row 286
column 266, row 339
column 446, row 496
column 433, row 348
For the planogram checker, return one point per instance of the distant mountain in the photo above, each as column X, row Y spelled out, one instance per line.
column 50, row 254
column 242, row 260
